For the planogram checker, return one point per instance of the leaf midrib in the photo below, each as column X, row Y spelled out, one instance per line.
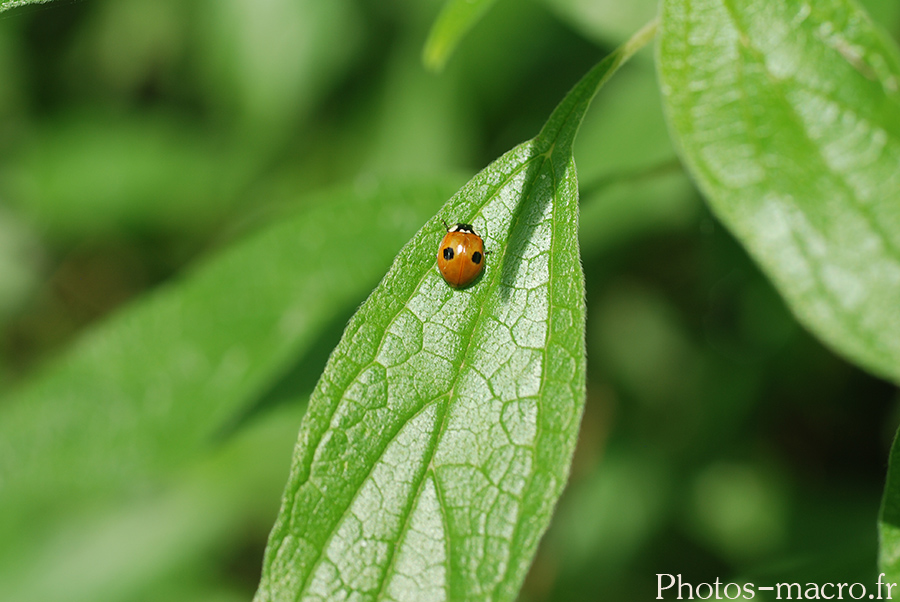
column 430, row 470
column 401, row 424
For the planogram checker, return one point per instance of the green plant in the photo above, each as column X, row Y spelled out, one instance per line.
column 146, row 457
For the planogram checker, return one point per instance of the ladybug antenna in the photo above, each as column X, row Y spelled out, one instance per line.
column 445, row 225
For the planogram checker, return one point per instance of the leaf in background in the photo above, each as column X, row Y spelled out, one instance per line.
column 267, row 63
column 439, row 437
column 788, row 115
column 146, row 391
column 634, row 489
column 884, row 12
column 94, row 174
column 605, row 21
column 210, row 506
column 623, row 209
column 889, row 519
column 21, row 258
column 420, row 126
column 456, row 19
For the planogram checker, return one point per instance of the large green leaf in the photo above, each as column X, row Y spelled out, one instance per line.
column 439, row 437
column 149, row 390
column 788, row 115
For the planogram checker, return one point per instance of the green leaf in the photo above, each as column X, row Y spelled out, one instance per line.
column 20, row 259
column 788, row 116
column 605, row 20
column 200, row 511
column 7, row 4
column 439, row 437
column 884, row 12
column 456, row 19
column 87, row 174
column 148, row 390
column 889, row 519
column 267, row 64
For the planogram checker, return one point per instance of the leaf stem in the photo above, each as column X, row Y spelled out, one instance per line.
column 577, row 101
column 640, row 39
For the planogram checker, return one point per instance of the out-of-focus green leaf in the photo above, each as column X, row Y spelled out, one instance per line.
column 646, row 350
column 884, row 12
column 457, row 17
column 740, row 509
column 514, row 43
column 420, row 125
column 146, row 391
column 889, row 519
column 620, row 210
column 605, row 519
column 124, row 552
column 20, row 260
column 11, row 74
column 788, row 116
column 440, row 434
column 124, row 47
column 606, row 21
column 88, row 175
column 266, row 63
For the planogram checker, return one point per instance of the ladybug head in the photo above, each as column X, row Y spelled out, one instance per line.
column 464, row 228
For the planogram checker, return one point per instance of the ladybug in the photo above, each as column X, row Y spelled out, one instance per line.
column 461, row 255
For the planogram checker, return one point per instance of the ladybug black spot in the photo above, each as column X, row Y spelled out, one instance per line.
column 476, row 257
column 448, row 253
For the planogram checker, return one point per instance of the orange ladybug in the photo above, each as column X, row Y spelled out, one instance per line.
column 461, row 255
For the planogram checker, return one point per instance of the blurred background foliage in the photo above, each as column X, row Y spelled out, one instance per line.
column 138, row 137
